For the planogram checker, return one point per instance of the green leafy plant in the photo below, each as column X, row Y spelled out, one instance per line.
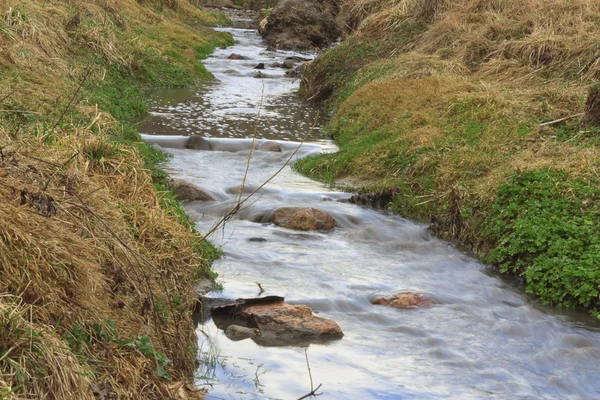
column 545, row 227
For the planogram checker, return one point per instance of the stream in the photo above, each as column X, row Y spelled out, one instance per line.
column 484, row 339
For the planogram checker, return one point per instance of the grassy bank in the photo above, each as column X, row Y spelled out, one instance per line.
column 97, row 261
column 444, row 100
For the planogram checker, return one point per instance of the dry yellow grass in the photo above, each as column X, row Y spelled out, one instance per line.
column 90, row 261
column 558, row 36
column 84, row 241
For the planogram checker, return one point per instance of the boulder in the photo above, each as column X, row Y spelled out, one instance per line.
column 276, row 65
column 301, row 25
column 271, row 321
column 290, row 321
column 259, row 75
column 187, row 191
column 260, row 66
column 405, row 300
column 197, row 142
column 270, row 146
column 303, row 219
column 235, row 56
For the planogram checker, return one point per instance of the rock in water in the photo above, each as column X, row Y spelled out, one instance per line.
column 260, row 66
column 405, row 300
column 304, row 219
column 290, row 321
column 271, row 321
column 270, row 146
column 187, row 191
column 301, row 25
column 259, row 75
column 235, row 56
column 236, row 332
column 288, row 63
column 197, row 142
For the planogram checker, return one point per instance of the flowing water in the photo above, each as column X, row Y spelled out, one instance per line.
column 484, row 339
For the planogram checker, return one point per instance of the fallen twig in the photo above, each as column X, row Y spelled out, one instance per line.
column 558, row 121
column 3, row 99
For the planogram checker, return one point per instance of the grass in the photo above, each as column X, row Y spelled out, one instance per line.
column 97, row 260
column 444, row 100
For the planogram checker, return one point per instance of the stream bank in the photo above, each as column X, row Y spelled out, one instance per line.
column 482, row 337
column 97, row 260
column 465, row 130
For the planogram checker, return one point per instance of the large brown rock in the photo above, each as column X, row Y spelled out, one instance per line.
column 290, row 321
column 270, row 321
column 188, row 191
column 301, row 25
column 303, row 219
column 405, row 300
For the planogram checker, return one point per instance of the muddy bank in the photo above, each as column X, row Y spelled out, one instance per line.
column 301, row 25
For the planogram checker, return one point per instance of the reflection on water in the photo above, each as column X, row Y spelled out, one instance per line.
column 485, row 338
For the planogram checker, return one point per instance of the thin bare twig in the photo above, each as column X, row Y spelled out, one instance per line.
column 262, row 96
column 84, row 78
column 311, row 394
column 313, row 391
column 2, row 100
column 234, row 210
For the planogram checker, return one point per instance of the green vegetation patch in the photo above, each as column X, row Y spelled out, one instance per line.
column 546, row 227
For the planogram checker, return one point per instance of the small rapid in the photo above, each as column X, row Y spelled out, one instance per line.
column 483, row 339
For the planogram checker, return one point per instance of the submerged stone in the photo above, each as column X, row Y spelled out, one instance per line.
column 270, row 146
column 197, row 142
column 288, row 63
column 236, row 332
column 235, row 56
column 188, row 191
column 405, row 300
